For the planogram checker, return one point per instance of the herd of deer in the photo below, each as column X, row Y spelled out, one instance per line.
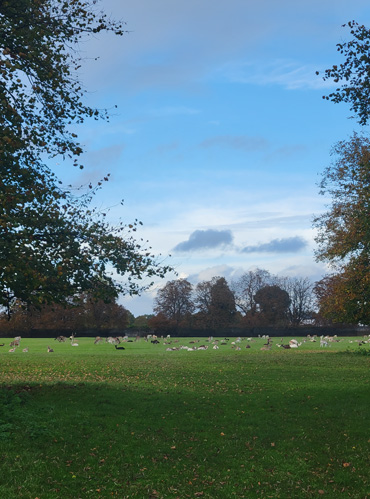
column 116, row 341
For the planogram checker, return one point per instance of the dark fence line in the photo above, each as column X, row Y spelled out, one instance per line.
column 54, row 333
column 190, row 332
column 275, row 331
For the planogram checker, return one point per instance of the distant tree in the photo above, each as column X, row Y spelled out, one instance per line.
column 161, row 324
column 300, row 291
column 131, row 318
column 203, row 295
column 141, row 322
column 222, row 307
column 246, row 287
column 353, row 75
column 174, row 300
column 273, row 303
column 216, row 304
column 97, row 314
column 344, row 230
column 88, row 314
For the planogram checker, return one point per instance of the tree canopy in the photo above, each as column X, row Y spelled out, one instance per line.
column 53, row 245
column 174, row 301
column 274, row 303
column 353, row 74
column 344, row 232
column 264, row 300
column 344, row 229
column 41, row 94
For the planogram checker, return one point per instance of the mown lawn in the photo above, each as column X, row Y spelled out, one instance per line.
column 92, row 421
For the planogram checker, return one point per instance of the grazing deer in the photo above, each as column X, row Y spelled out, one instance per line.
column 266, row 347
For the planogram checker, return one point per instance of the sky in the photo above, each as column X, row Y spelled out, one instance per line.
column 220, row 135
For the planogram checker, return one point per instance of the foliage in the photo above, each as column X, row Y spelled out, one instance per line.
column 87, row 314
column 274, row 303
column 161, row 324
column 53, row 245
column 212, row 304
column 40, row 91
column 141, row 322
column 343, row 297
column 354, row 73
column 246, row 287
column 344, row 232
column 53, row 248
column 174, row 300
column 222, row 306
column 216, row 304
column 300, row 291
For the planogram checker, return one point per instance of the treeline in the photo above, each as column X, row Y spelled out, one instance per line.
column 95, row 316
column 257, row 303
column 257, row 299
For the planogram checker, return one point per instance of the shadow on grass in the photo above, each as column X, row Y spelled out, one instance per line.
column 96, row 440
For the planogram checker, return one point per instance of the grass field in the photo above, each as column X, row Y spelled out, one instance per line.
column 92, row 421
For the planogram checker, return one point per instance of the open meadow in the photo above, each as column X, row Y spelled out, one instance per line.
column 93, row 421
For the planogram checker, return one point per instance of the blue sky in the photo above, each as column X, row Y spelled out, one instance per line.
column 220, row 132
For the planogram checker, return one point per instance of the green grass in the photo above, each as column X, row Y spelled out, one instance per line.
column 90, row 421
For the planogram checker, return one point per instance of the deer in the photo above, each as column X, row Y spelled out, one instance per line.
column 266, row 347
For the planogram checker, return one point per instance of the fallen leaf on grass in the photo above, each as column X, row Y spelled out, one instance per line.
column 321, row 492
column 345, row 465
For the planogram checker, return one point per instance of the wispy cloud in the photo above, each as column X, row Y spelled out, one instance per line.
column 165, row 148
column 284, row 245
column 205, row 239
column 291, row 75
column 174, row 110
column 243, row 142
